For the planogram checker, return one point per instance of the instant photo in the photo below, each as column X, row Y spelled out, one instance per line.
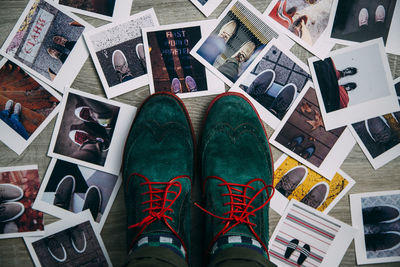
column 302, row 135
column 91, row 189
column 307, row 237
column 235, row 41
column 206, row 6
column 91, row 131
column 19, row 186
column 354, row 84
column 170, row 65
column 118, row 53
column 379, row 137
column 102, row 9
column 359, row 21
column 69, row 242
column 376, row 215
column 304, row 21
column 274, row 83
column 47, row 42
column 293, row 180
column 27, row 106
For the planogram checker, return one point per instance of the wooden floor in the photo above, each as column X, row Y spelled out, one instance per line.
column 13, row 251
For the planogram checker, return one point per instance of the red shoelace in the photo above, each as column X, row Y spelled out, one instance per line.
column 159, row 202
column 240, row 206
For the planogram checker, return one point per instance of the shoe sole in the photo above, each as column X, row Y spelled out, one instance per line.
column 259, row 119
column 100, row 199
column 18, row 198
column 73, row 186
column 18, row 214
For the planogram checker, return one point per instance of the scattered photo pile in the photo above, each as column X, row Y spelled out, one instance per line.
column 19, row 186
column 319, row 103
column 376, row 216
column 47, row 41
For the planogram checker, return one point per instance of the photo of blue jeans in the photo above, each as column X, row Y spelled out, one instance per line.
column 14, row 123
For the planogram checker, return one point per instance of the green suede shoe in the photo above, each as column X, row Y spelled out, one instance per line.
column 237, row 171
column 158, row 170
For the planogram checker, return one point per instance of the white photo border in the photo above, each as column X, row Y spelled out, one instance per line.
column 208, row 7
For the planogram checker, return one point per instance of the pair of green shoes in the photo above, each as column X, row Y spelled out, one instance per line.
column 236, row 170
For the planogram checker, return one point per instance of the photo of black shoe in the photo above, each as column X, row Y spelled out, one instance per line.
column 378, row 129
column 347, row 71
column 380, row 214
column 317, row 195
column 78, row 239
column 382, row 241
column 261, row 83
column 64, row 192
column 304, row 253
column 291, row 247
column 10, row 211
column 10, row 192
column 307, row 152
column 284, row 99
column 350, row 86
column 56, row 249
column 92, row 201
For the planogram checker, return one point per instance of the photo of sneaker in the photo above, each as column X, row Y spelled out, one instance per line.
column 176, row 86
column 284, row 99
column 291, row 180
column 317, row 195
column 140, row 54
column 10, row 211
column 380, row 14
column 56, row 249
column 227, row 30
column 190, row 84
column 363, row 17
column 86, row 113
column 244, row 52
column 78, row 239
column 380, row 214
column 10, row 192
column 9, row 105
column 92, row 200
column 64, row 192
column 121, row 67
column 378, row 129
column 261, row 83
column 89, row 133
column 382, row 241
column 307, row 152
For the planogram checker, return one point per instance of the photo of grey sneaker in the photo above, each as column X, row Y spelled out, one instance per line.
column 140, row 54
column 176, row 86
column 121, row 67
column 284, row 99
column 10, row 211
column 56, row 249
column 317, row 195
column 92, row 201
column 78, row 239
column 291, row 180
column 64, row 192
column 380, row 14
column 380, row 214
column 10, row 192
column 378, row 129
column 261, row 83
column 363, row 17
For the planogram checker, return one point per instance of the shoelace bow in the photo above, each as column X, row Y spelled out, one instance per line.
column 159, row 203
column 240, row 207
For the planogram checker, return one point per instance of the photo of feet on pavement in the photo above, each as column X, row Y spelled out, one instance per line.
column 200, row 133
